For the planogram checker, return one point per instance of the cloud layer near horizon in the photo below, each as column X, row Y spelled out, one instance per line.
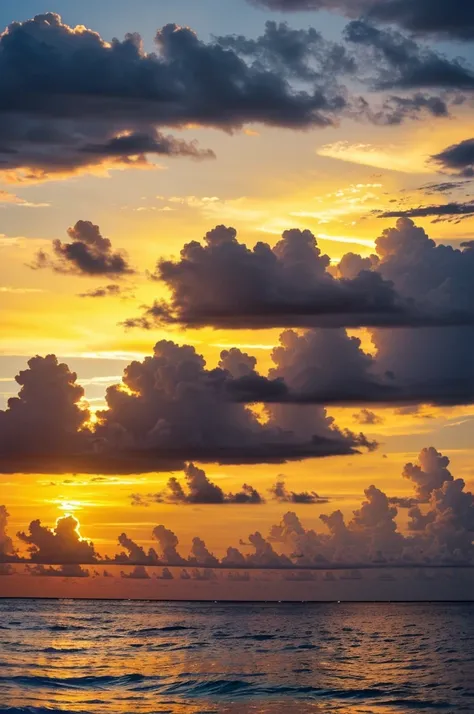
column 440, row 531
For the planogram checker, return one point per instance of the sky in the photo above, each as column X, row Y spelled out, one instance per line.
column 236, row 262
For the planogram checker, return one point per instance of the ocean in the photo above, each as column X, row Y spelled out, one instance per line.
column 107, row 657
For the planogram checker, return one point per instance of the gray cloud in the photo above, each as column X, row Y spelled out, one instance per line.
column 288, row 285
column 404, row 63
column 111, row 290
column 47, row 415
column 139, row 572
column 65, row 570
column 89, row 253
column 441, row 532
column 200, row 490
column 172, row 410
column 430, row 474
column 6, row 543
column 440, row 18
column 71, row 101
column 175, row 407
column 457, row 159
column 281, row 494
column 453, row 211
column 367, row 418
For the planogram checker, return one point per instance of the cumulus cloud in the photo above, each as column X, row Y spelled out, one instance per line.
column 441, row 532
column 173, row 406
column 65, row 570
column 287, row 285
column 166, row 574
column 139, row 572
column 47, row 416
column 281, row 494
column 170, row 409
column 62, row 544
column 429, row 474
column 199, row 490
column 134, row 552
column 435, row 17
column 89, row 253
column 6, row 543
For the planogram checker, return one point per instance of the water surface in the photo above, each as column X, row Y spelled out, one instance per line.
column 146, row 657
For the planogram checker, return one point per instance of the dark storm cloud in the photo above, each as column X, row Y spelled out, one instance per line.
column 457, row 159
column 404, row 63
column 89, row 253
column 61, row 544
column 453, row 211
column 141, row 144
column 287, row 285
column 70, row 100
column 443, row 18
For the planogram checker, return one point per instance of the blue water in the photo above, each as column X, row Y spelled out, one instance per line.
column 143, row 657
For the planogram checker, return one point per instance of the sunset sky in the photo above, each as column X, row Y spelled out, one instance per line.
column 113, row 160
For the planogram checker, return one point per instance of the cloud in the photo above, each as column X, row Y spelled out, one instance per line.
column 6, row 543
column 457, row 159
column 367, row 418
column 288, row 285
column 65, row 570
column 62, row 544
column 111, row 290
column 453, row 211
column 89, row 253
column 403, row 63
column 134, row 552
column 166, row 574
column 281, row 494
column 200, row 490
column 430, row 474
column 172, row 406
column 440, row 18
column 79, row 103
column 168, row 410
column 441, row 532
column 139, row 572
column 47, row 415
